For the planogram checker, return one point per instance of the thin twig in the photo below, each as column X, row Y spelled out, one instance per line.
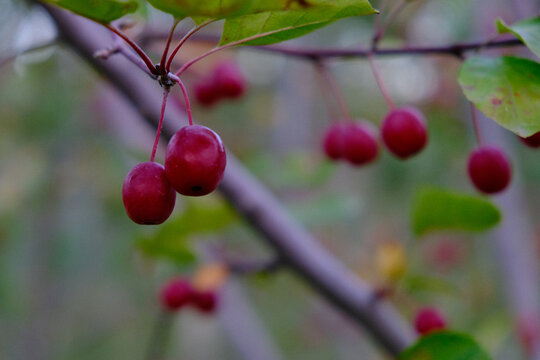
column 160, row 124
column 9, row 58
column 186, row 98
column 183, row 40
column 229, row 45
column 380, row 83
column 135, row 47
column 166, row 50
column 335, row 89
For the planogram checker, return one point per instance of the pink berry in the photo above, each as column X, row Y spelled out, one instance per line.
column 404, row 131
column 205, row 301
column 429, row 319
column 333, row 141
column 148, row 197
column 489, row 169
column 532, row 141
column 195, row 160
column 228, row 80
column 176, row 294
column 205, row 93
column 360, row 143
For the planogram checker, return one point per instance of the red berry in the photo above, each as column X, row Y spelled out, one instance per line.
column 334, row 140
column 404, row 132
column 195, row 160
column 360, row 143
column 205, row 301
column 205, row 93
column 148, row 196
column 532, row 141
column 176, row 294
column 489, row 169
column 429, row 319
column 228, row 80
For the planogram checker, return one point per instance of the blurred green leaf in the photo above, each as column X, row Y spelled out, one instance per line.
column 281, row 25
column 527, row 31
column 419, row 283
column 199, row 218
column 506, row 89
column 439, row 209
column 445, row 345
column 99, row 10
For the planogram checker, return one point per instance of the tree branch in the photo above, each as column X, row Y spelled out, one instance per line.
column 457, row 50
column 293, row 243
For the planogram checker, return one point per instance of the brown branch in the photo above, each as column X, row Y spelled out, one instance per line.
column 457, row 50
column 292, row 242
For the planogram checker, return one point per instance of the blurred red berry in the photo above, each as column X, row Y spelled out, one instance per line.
column 176, row 294
column 205, row 301
column 429, row 319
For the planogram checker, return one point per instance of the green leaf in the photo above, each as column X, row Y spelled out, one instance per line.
column 439, row 209
column 445, row 345
column 281, row 25
column 506, row 89
column 172, row 239
column 103, row 11
column 202, row 8
column 527, row 31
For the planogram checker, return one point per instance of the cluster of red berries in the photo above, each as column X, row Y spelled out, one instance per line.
column 194, row 165
column 429, row 319
column 224, row 82
column 403, row 131
column 179, row 293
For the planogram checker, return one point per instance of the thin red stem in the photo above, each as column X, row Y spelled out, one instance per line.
column 380, row 30
column 186, row 98
column 166, row 50
column 335, row 89
column 135, row 47
column 476, row 125
column 229, row 45
column 380, row 82
column 183, row 40
column 160, row 124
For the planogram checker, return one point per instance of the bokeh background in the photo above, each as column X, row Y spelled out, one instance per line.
column 79, row 280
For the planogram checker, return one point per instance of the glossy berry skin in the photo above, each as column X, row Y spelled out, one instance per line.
column 489, row 169
column 195, row 161
column 532, row 141
column 176, row 294
column 360, row 144
column 228, row 80
column 404, row 132
column 148, row 197
column 333, row 141
column 429, row 319
column 205, row 301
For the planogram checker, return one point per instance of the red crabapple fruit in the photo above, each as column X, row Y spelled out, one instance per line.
column 195, row 160
column 176, row 294
column 489, row 169
column 429, row 319
column 404, row 131
column 148, row 197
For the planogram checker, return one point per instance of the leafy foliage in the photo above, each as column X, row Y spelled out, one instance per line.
column 281, row 25
column 506, row 89
column 99, row 10
column 445, row 345
column 171, row 240
column 527, row 30
column 438, row 209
